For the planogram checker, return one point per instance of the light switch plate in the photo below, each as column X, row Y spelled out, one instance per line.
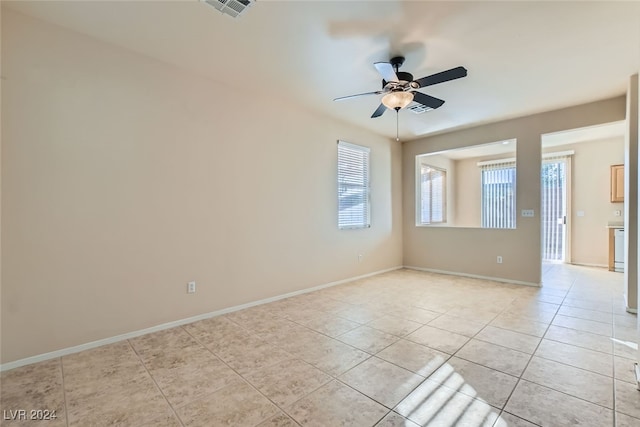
column 527, row 213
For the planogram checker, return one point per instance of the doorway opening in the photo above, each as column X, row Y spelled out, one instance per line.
column 553, row 208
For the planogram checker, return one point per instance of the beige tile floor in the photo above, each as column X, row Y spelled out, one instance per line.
column 404, row 348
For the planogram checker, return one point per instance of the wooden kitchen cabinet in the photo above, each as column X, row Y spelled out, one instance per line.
column 617, row 183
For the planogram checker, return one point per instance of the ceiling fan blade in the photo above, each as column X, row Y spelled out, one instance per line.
column 342, row 98
column 386, row 70
column 444, row 76
column 379, row 111
column 427, row 100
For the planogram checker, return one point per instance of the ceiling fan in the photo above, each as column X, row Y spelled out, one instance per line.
column 399, row 88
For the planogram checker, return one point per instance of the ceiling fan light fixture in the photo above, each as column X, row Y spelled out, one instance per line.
column 397, row 100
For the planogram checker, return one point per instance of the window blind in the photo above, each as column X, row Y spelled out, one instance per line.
column 498, row 194
column 353, row 186
column 554, row 204
column 432, row 195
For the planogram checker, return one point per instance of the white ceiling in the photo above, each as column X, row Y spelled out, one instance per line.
column 522, row 57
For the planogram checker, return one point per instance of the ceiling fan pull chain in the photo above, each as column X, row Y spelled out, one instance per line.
column 397, row 125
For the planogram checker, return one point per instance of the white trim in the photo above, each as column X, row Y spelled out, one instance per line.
column 558, row 154
column 586, row 264
column 626, row 305
column 354, row 146
column 513, row 159
column 474, row 276
column 128, row 335
column 509, row 161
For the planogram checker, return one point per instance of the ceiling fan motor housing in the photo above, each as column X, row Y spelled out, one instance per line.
column 401, row 89
column 402, row 76
column 397, row 61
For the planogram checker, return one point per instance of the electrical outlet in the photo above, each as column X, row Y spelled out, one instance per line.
column 499, row 259
column 191, row 287
column 359, row 257
column 617, row 213
column 527, row 213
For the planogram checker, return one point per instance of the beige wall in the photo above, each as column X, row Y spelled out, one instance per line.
column 1, row 68
column 590, row 194
column 123, row 178
column 474, row 250
column 468, row 193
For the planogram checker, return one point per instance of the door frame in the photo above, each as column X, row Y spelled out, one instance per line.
column 566, row 158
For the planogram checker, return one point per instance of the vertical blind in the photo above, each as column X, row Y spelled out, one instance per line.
column 498, row 194
column 432, row 195
column 353, row 186
column 554, row 206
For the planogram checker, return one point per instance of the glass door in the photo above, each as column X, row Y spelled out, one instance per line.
column 554, row 209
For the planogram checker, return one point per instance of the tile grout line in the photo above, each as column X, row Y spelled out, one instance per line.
column 511, row 330
column 155, row 383
column 613, row 362
column 242, row 376
column 370, row 355
column 394, row 364
column 224, row 362
column 296, row 322
column 572, row 366
column 451, row 355
column 64, row 394
column 581, row 346
column 612, row 354
column 519, row 378
column 501, row 410
column 336, row 378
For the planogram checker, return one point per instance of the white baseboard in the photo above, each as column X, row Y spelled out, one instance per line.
column 586, row 264
column 626, row 305
column 473, row 276
column 133, row 334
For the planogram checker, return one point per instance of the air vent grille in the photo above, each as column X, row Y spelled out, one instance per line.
column 419, row 108
column 233, row 8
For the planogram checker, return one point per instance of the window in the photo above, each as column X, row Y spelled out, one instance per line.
column 432, row 195
column 498, row 194
column 449, row 185
column 353, row 186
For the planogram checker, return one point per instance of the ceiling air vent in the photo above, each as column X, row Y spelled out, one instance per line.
column 419, row 108
column 232, row 8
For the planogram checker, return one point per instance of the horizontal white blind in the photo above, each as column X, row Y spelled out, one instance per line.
column 353, row 186
column 432, row 195
column 498, row 194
